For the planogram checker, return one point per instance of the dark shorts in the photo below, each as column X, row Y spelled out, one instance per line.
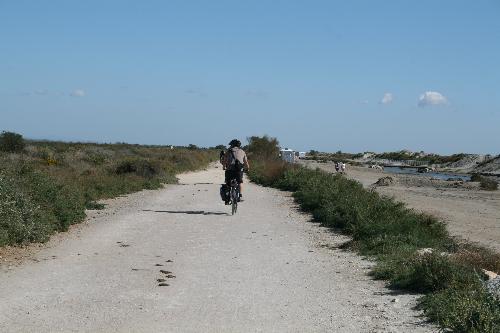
column 234, row 174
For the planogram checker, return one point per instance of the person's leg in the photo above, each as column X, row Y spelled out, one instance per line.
column 240, row 182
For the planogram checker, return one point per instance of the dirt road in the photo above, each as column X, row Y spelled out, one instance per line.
column 265, row 270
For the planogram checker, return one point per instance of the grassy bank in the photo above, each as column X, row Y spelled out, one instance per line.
column 450, row 275
column 46, row 186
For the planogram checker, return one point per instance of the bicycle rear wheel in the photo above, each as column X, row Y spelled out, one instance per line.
column 234, row 201
column 234, row 208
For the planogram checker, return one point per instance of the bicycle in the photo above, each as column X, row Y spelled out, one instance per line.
column 234, row 195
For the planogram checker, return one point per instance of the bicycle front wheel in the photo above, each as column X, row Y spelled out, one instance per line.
column 234, row 208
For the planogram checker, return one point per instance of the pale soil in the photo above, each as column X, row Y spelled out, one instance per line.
column 268, row 269
column 469, row 212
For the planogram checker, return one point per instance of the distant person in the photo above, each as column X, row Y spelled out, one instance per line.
column 235, row 160
column 342, row 167
column 337, row 167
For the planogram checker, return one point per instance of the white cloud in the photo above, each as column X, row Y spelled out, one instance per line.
column 431, row 98
column 387, row 98
column 78, row 93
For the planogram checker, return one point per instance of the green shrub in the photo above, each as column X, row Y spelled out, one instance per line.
column 475, row 177
column 477, row 257
column 11, row 142
column 140, row 167
column 488, row 184
column 485, row 183
column 65, row 201
column 432, row 272
column 469, row 308
column 92, row 205
column 21, row 219
column 96, row 158
column 263, row 148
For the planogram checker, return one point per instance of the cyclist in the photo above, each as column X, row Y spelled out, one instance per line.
column 235, row 160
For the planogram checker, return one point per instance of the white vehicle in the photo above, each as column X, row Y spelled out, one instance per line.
column 287, row 155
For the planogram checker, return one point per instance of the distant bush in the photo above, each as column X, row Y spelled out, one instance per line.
column 485, row 183
column 266, row 173
column 399, row 155
column 263, row 148
column 488, row 184
column 96, row 158
column 140, row 167
column 430, row 158
column 337, row 156
column 475, row 177
column 11, row 142
column 443, row 159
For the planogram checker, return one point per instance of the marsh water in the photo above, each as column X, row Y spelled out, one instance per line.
column 438, row 175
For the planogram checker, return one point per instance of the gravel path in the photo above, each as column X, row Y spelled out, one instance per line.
column 265, row 270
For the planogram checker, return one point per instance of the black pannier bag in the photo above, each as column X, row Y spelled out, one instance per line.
column 224, row 193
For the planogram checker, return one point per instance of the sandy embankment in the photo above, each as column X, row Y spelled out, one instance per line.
column 469, row 212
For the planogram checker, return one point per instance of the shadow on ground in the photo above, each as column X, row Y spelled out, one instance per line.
column 189, row 212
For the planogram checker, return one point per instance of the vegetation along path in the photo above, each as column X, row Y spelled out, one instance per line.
column 173, row 260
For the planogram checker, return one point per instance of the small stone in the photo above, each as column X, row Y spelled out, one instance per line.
column 165, row 272
column 163, row 284
column 425, row 251
column 490, row 275
column 395, row 300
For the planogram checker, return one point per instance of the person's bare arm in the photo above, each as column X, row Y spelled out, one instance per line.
column 247, row 165
column 224, row 162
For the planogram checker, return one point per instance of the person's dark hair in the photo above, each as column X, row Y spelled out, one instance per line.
column 235, row 143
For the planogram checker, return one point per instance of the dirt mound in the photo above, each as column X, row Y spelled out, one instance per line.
column 384, row 181
column 491, row 166
column 469, row 162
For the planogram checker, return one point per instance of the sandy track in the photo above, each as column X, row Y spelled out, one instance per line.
column 266, row 270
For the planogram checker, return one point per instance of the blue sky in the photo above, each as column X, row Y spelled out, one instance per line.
column 325, row 75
